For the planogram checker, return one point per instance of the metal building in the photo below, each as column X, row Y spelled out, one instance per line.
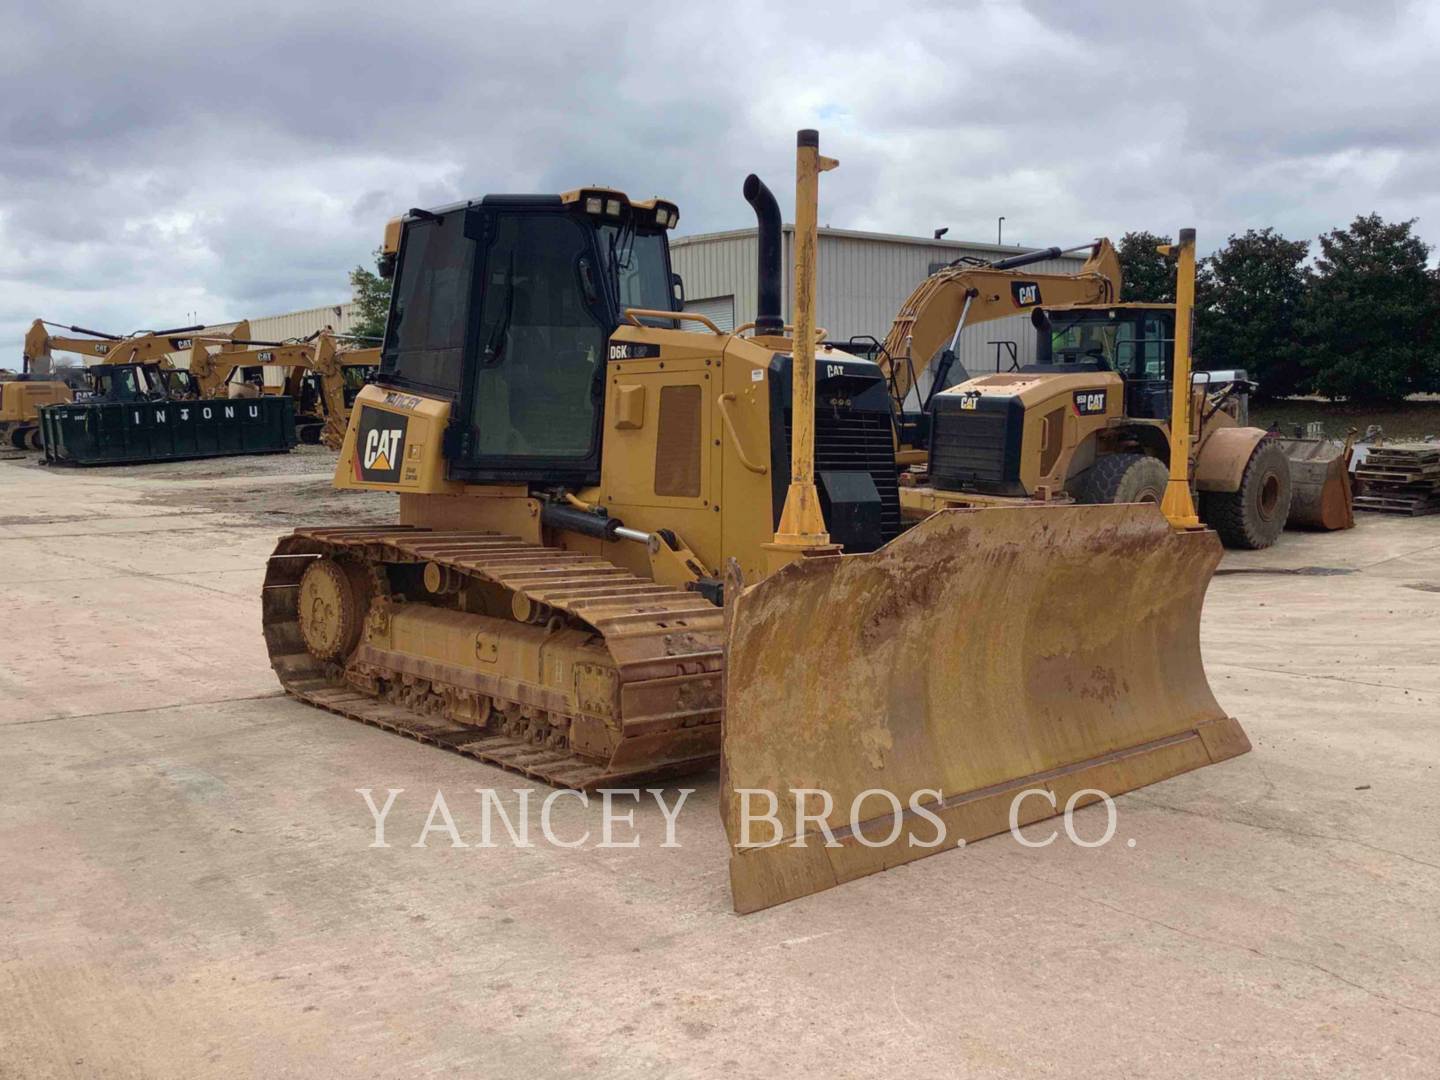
column 863, row 279
column 295, row 324
column 299, row 324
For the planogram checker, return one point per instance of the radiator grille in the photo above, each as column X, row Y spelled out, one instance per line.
column 968, row 446
column 858, row 442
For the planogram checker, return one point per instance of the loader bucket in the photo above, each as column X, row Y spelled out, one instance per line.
column 1320, row 482
column 980, row 655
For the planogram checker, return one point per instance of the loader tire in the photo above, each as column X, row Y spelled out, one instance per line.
column 1126, row 478
column 1253, row 516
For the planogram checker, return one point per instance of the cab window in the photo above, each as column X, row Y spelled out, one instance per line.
column 425, row 333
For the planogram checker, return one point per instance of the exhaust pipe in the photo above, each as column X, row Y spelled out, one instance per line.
column 768, row 317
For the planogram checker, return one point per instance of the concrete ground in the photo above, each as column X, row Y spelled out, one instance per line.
column 187, row 887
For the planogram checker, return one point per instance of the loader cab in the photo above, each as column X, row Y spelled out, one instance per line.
column 505, row 307
column 1136, row 341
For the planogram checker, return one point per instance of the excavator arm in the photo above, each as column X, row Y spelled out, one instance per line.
column 331, row 362
column 150, row 347
column 323, row 353
column 215, row 369
column 959, row 296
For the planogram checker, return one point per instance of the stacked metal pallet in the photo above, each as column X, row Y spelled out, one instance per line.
column 1401, row 478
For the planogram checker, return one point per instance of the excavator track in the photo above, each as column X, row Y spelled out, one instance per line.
column 665, row 644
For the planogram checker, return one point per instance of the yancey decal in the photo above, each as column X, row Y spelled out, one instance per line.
column 1025, row 293
column 1090, row 402
column 380, row 446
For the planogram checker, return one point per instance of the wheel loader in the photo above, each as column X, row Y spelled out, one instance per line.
column 1088, row 420
column 627, row 548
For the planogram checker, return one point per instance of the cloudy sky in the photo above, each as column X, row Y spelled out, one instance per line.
column 164, row 158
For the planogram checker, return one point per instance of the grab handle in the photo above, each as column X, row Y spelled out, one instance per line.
column 729, row 423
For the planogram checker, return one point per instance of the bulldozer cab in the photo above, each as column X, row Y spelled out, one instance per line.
column 1136, row 341
column 505, row 307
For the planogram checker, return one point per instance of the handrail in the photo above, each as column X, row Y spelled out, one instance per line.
column 729, row 423
column 633, row 316
column 820, row 332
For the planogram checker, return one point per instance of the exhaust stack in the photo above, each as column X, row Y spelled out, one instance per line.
column 768, row 318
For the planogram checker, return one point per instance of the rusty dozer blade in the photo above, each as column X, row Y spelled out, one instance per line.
column 982, row 654
column 1320, row 482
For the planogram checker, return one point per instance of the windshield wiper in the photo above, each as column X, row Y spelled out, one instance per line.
column 495, row 345
column 621, row 245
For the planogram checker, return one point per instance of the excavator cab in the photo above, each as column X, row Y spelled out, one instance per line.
column 354, row 377
column 140, row 382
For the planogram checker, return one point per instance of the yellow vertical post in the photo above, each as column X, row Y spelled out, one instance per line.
column 1177, row 505
column 802, row 525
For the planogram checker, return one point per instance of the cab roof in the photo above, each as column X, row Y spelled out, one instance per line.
column 1123, row 306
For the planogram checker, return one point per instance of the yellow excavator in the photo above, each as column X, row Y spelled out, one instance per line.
column 626, row 549
column 142, row 347
column 21, row 398
column 322, row 373
column 915, row 355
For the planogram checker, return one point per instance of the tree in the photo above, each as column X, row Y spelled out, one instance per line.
column 1148, row 275
column 371, row 295
column 1250, row 298
column 1370, row 314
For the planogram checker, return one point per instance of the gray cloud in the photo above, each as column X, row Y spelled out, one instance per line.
column 169, row 157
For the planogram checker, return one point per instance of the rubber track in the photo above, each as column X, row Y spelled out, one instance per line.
column 656, row 634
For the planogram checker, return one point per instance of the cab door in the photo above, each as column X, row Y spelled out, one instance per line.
column 535, row 356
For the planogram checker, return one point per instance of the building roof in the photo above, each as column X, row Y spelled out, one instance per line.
column 855, row 234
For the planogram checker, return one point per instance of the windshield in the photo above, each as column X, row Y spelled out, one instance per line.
column 356, row 375
column 126, row 383
column 1136, row 345
column 638, row 270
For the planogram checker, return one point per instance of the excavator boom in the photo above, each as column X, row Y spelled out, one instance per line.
column 958, row 296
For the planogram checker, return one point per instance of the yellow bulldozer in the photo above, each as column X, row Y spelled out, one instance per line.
column 626, row 550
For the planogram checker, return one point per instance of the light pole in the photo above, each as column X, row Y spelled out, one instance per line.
column 999, row 230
